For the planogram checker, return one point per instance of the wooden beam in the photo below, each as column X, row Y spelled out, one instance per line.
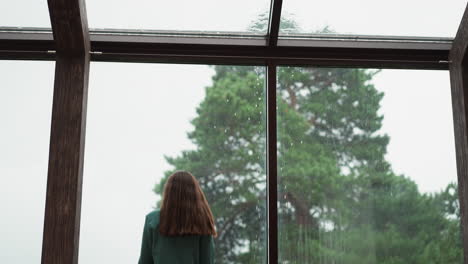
column 63, row 201
column 156, row 46
column 460, row 43
column 69, row 26
column 459, row 83
column 274, row 22
column 66, row 152
column 369, row 53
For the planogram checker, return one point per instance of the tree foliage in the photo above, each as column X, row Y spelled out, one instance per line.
column 339, row 200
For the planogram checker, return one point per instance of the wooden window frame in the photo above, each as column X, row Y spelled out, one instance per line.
column 72, row 46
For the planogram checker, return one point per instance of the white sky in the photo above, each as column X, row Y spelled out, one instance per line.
column 129, row 132
column 435, row 18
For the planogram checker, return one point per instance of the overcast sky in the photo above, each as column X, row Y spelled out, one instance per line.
column 129, row 132
column 383, row 17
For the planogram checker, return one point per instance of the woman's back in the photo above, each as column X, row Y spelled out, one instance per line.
column 182, row 231
column 187, row 249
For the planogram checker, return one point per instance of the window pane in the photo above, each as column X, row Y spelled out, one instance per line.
column 147, row 120
column 25, row 116
column 431, row 18
column 24, row 13
column 366, row 167
column 206, row 15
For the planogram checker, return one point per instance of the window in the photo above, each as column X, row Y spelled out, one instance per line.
column 306, row 151
column 392, row 18
column 179, row 15
column 366, row 167
column 24, row 13
column 209, row 120
column 25, row 111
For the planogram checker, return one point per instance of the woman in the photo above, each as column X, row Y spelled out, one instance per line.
column 182, row 231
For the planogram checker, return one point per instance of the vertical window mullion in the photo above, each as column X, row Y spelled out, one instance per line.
column 272, row 175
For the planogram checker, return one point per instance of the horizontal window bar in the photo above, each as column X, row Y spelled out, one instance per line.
column 158, row 46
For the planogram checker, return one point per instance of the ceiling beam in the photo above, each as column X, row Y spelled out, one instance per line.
column 274, row 22
column 460, row 43
column 371, row 53
column 314, row 50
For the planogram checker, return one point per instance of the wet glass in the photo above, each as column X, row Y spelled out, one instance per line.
column 146, row 121
column 24, row 13
column 366, row 167
column 422, row 18
column 180, row 15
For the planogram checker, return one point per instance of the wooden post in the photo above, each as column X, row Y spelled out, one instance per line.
column 459, row 84
column 66, row 153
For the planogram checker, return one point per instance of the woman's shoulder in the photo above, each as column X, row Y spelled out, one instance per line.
column 152, row 218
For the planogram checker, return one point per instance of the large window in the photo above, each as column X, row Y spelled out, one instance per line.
column 366, row 167
column 309, row 144
column 25, row 112
column 24, row 13
column 368, row 17
column 178, row 15
column 209, row 120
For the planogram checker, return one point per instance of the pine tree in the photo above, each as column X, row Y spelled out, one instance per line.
column 339, row 201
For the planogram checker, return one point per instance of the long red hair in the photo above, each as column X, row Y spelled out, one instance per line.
column 185, row 210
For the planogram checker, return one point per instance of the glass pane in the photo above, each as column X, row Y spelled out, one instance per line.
column 25, row 116
column 431, row 18
column 182, row 15
column 366, row 167
column 24, row 13
column 147, row 120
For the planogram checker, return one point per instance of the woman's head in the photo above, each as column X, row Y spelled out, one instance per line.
column 185, row 210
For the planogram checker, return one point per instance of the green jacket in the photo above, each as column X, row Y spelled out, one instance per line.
column 159, row 249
